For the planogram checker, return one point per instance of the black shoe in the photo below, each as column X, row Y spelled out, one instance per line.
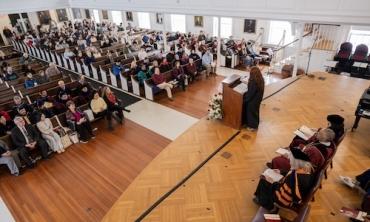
column 269, row 165
column 256, row 201
column 32, row 165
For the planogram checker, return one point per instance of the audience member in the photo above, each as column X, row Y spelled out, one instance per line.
column 80, row 121
column 292, row 189
column 99, row 108
column 52, row 70
column 42, row 78
column 207, row 60
column 113, row 103
column 30, row 82
column 25, row 138
column 191, row 69
column 160, row 81
column 47, row 132
column 6, row 125
column 179, row 74
column 6, row 157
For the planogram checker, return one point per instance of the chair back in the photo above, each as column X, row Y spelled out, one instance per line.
column 345, row 50
column 360, row 53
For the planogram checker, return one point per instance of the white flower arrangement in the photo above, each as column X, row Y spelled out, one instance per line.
column 215, row 107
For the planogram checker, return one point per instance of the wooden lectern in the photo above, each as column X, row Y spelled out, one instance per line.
column 232, row 103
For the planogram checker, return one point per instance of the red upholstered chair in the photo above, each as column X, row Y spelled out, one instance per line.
column 344, row 51
column 360, row 54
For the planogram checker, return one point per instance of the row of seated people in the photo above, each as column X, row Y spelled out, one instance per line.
column 301, row 167
column 45, row 137
column 346, row 58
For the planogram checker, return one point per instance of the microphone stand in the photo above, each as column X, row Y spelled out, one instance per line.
column 310, row 52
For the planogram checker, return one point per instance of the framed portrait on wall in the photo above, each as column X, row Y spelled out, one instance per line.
column 249, row 25
column 62, row 15
column 129, row 16
column 198, row 21
column 87, row 13
column 44, row 17
column 159, row 18
column 105, row 14
column 76, row 13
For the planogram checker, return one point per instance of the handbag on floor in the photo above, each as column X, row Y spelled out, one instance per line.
column 66, row 141
column 67, row 136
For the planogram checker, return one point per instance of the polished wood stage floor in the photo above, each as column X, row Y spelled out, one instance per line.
column 222, row 189
column 133, row 167
column 84, row 182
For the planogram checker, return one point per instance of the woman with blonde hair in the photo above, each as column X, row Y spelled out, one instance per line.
column 252, row 99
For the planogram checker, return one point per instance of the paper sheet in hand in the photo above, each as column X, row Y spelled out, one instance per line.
column 304, row 132
column 272, row 174
column 282, row 151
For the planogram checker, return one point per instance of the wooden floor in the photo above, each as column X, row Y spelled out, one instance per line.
column 222, row 190
column 193, row 101
column 83, row 183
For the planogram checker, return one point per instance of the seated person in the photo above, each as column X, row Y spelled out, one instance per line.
column 165, row 66
column 6, row 124
column 323, row 140
column 184, row 59
column 114, row 104
column 68, row 54
column 63, row 91
column 106, row 44
column 25, row 60
column 89, row 58
column 194, row 55
column 52, row 70
column 81, row 123
column 23, row 109
column 143, row 75
column 170, row 56
column 207, row 61
column 360, row 183
column 7, row 158
column 99, row 108
column 160, row 81
column 42, row 77
column 30, row 82
column 179, row 74
column 84, row 90
column 191, row 69
column 10, row 75
column 117, row 69
column 285, row 192
column 29, row 69
column 46, row 104
column 25, row 138
column 142, row 54
column 134, row 68
column 47, row 132
column 336, row 123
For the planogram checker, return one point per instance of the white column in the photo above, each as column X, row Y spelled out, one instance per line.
column 22, row 22
column 299, row 32
column 70, row 12
column 164, row 33
column 219, row 43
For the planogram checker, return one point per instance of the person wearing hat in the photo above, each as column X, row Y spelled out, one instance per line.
column 336, row 123
column 6, row 124
column 291, row 189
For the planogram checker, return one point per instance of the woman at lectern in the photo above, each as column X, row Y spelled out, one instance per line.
column 252, row 99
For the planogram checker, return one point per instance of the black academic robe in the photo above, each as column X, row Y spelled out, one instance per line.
column 251, row 105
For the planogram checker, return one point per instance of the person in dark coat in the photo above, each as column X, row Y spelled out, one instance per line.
column 252, row 99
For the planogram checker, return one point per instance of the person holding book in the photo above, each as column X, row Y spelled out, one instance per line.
column 289, row 191
column 306, row 135
column 318, row 152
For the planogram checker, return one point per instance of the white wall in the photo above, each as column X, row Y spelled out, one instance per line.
column 328, row 11
column 16, row 6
